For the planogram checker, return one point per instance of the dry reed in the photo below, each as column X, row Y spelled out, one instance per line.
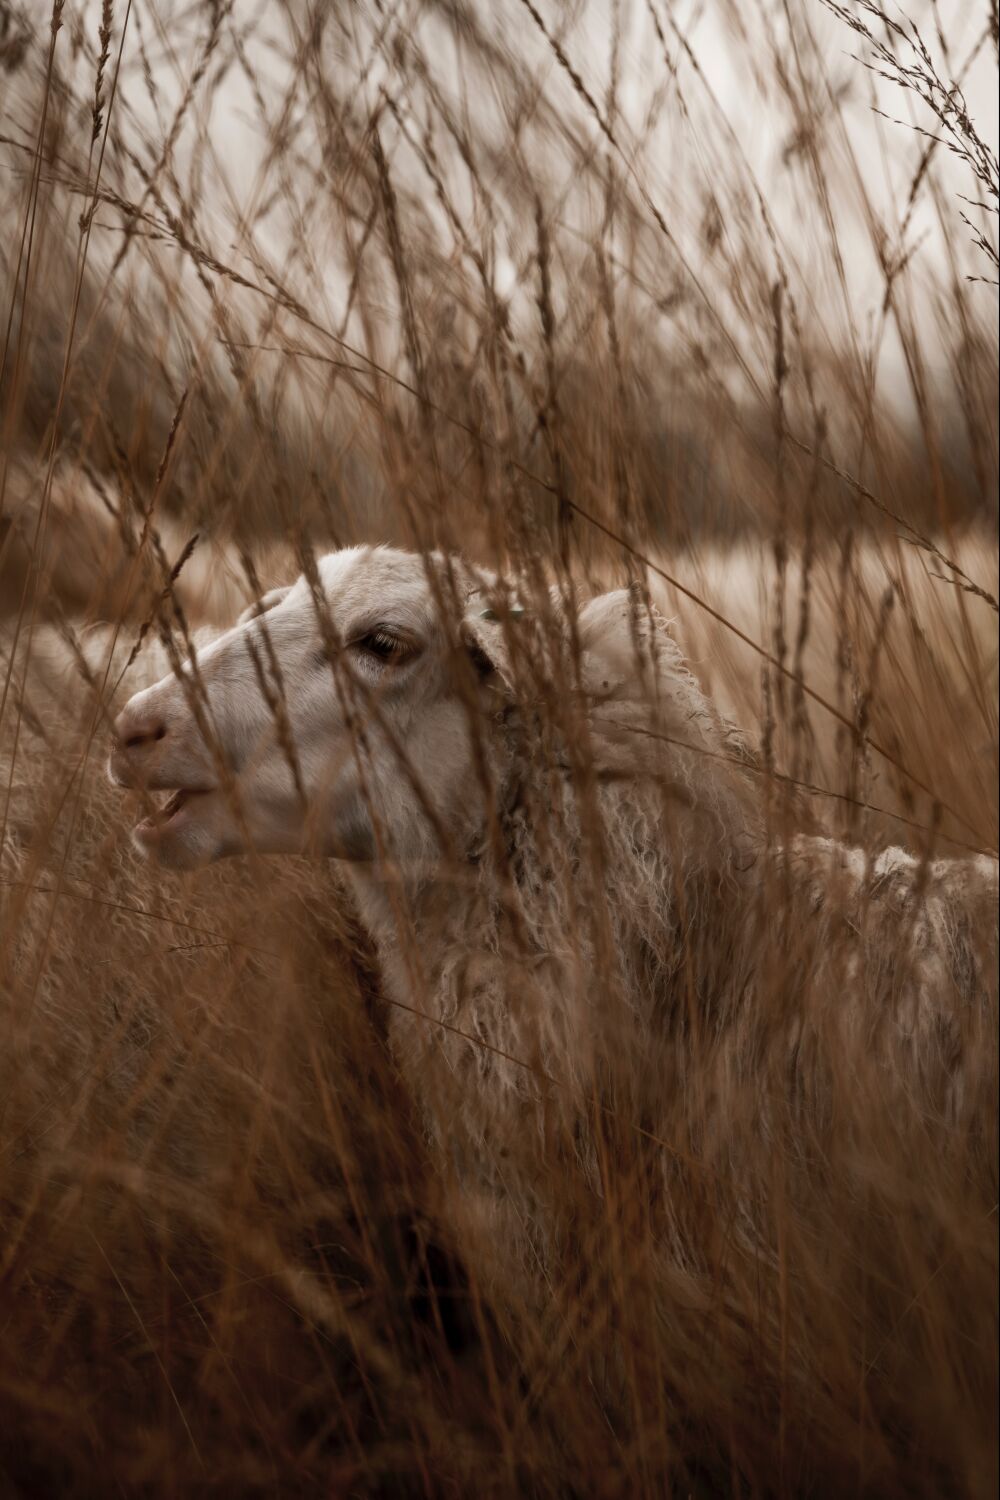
column 276, row 279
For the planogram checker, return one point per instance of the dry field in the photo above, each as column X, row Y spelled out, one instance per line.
column 696, row 297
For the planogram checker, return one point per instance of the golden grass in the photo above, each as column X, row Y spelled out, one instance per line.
column 447, row 285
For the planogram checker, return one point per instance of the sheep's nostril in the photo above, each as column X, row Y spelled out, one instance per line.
column 144, row 735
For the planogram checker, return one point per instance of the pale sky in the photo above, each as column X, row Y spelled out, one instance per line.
column 723, row 130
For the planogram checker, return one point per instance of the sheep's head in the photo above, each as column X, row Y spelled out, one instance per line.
column 335, row 717
column 360, row 713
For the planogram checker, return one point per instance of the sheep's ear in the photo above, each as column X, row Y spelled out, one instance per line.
column 266, row 602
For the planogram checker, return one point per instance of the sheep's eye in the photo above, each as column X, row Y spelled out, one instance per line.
column 384, row 646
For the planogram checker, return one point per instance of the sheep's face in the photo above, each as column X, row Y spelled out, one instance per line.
column 348, row 737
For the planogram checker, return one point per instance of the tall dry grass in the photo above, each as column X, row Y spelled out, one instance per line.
column 534, row 283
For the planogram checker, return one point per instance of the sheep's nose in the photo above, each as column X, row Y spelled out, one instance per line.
column 135, row 731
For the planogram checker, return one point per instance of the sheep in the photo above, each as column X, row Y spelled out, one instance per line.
column 555, row 840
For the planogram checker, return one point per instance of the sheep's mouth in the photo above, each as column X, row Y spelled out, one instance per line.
column 170, row 812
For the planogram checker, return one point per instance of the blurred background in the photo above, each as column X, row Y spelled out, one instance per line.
column 756, row 227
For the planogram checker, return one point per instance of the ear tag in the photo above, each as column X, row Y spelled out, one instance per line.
column 515, row 612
